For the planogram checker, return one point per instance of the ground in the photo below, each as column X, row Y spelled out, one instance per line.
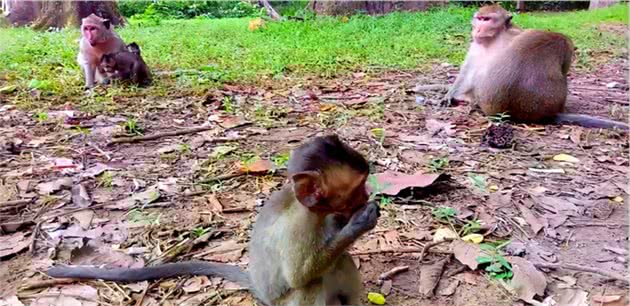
column 70, row 193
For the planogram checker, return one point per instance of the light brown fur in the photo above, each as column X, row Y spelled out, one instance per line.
column 97, row 39
column 523, row 73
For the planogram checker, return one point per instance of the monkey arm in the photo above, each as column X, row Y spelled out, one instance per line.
column 319, row 260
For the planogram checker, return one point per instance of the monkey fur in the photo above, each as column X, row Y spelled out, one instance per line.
column 126, row 65
column 97, row 39
column 519, row 72
column 299, row 240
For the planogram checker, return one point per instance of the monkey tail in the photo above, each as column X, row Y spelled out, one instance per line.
column 589, row 121
column 228, row 272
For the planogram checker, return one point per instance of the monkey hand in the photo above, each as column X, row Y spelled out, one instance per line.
column 364, row 219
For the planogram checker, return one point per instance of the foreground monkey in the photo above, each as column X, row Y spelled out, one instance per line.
column 97, row 39
column 521, row 72
column 299, row 241
column 126, row 65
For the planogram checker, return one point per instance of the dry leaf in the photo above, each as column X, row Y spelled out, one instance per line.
column 466, row 253
column 195, row 284
column 214, row 203
column 529, row 216
column 606, row 298
column 430, row 277
column 258, row 166
column 80, row 196
column 444, row 233
column 392, row 239
column 96, row 170
column 13, row 244
column 474, row 238
column 572, row 297
column 393, row 182
column 386, row 288
column 449, row 289
column 566, row 158
column 54, row 186
column 527, row 281
column 84, row 217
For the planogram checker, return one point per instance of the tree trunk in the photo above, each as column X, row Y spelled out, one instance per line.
column 59, row 13
column 595, row 4
column 270, row 11
column 520, row 6
column 349, row 7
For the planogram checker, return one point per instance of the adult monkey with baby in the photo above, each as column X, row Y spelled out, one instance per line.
column 97, row 39
column 127, row 65
column 298, row 247
column 521, row 72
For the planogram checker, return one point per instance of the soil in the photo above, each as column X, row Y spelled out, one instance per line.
column 581, row 206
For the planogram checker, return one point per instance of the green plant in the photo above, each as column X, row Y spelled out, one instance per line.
column 376, row 186
column 444, row 214
column 478, row 181
column 385, row 201
column 41, row 117
column 138, row 216
column 499, row 118
column 438, row 164
column 494, row 262
column 470, row 227
column 132, row 127
column 281, row 160
column 379, row 134
column 228, row 105
column 200, row 231
column 105, row 179
column 184, row 148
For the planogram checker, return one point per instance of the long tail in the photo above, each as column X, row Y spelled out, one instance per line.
column 229, row 272
column 589, row 121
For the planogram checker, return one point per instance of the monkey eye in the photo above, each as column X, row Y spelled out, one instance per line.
column 482, row 18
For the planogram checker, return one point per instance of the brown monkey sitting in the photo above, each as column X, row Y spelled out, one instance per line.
column 126, row 66
column 97, row 38
column 298, row 247
column 521, row 72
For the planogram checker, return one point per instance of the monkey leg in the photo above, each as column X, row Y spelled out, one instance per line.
column 343, row 285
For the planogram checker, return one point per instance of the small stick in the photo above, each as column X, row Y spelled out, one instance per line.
column 192, row 130
column 15, row 203
column 236, row 210
column 429, row 87
column 402, row 250
column 38, row 226
column 609, row 274
column 392, row 272
column 47, row 283
column 430, row 245
column 100, row 151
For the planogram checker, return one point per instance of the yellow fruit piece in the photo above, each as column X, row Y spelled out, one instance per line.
column 474, row 238
column 493, row 188
column 618, row 199
column 376, row 298
column 566, row 158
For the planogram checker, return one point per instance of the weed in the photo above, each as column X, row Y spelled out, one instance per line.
column 470, row 227
column 132, row 127
column 281, row 160
column 444, row 214
column 200, row 231
column 379, row 134
column 41, row 117
column 438, row 164
column 184, row 149
column 495, row 264
column 105, row 180
column 138, row 216
column 499, row 118
column 228, row 105
column 385, row 201
column 478, row 181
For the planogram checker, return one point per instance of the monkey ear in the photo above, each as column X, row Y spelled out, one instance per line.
column 308, row 187
column 508, row 21
column 106, row 23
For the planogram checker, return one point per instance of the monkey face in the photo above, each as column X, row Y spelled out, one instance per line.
column 108, row 64
column 488, row 22
column 94, row 28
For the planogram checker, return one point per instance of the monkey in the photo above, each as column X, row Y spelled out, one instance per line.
column 126, row 65
column 298, row 250
column 521, row 72
column 97, row 39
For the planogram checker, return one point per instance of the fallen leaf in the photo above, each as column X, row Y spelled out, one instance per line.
column 576, row 135
column 392, row 239
column 195, row 284
column 150, row 195
column 392, row 183
column 168, row 149
column 95, row 171
column 568, row 281
column 538, row 190
column 256, row 24
column 137, row 287
column 84, row 217
column 572, row 297
column 556, row 205
column 13, row 244
column 258, row 166
column 617, row 199
column 226, row 251
column 531, row 219
column 376, row 298
column 449, row 289
column 386, row 288
column 435, row 127
column 80, row 196
column 527, row 281
column 220, row 151
column 430, row 277
column 606, row 298
column 474, row 238
column 215, row 204
column 54, row 186
column 566, row 158
column 444, row 233
column 169, row 185
column 8, row 89
column 466, row 253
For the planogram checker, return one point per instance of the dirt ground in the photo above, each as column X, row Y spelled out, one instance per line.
column 133, row 204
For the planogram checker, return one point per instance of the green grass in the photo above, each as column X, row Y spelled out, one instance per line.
column 225, row 50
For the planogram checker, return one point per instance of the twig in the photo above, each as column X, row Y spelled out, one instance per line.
column 47, row 283
column 38, row 226
column 222, row 177
column 16, row 202
column 235, row 210
column 430, row 87
column 75, row 210
column 392, row 272
column 100, row 151
column 401, row 251
column 609, row 274
column 456, row 271
column 176, row 133
column 430, row 245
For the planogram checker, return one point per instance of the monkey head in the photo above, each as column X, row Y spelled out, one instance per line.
column 489, row 21
column 95, row 29
column 133, row 48
column 328, row 176
column 108, row 63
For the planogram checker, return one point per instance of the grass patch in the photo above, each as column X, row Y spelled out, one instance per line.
column 224, row 50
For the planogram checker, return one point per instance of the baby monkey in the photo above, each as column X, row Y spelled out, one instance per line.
column 298, row 249
column 126, row 65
